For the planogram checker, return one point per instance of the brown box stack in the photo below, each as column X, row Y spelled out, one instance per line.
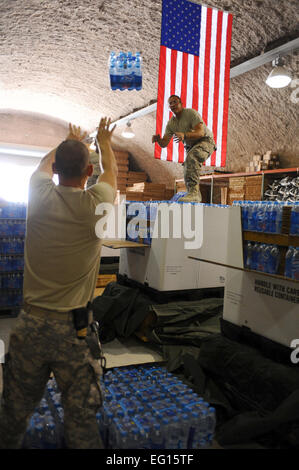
column 253, row 188
column 149, row 191
column 122, row 160
column 236, row 189
column 136, row 177
column 268, row 161
column 134, row 195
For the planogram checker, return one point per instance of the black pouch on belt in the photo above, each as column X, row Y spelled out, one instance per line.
column 80, row 318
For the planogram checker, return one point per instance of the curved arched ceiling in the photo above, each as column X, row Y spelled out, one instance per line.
column 54, row 61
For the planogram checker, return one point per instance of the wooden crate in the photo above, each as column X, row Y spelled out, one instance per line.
column 104, row 279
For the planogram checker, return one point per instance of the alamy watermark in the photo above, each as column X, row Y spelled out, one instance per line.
column 2, row 351
column 139, row 220
column 295, row 353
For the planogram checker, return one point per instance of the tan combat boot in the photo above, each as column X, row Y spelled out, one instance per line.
column 193, row 195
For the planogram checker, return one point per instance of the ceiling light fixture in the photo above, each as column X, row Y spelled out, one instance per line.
column 128, row 132
column 278, row 77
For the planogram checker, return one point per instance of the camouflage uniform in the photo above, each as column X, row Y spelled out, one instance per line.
column 196, row 151
column 196, row 156
column 44, row 342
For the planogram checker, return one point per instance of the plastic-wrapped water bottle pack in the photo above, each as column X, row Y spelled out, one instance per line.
column 144, row 407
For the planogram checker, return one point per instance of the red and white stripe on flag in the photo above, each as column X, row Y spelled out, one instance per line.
column 202, row 82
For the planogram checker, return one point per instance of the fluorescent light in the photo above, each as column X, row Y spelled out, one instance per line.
column 128, row 132
column 22, row 152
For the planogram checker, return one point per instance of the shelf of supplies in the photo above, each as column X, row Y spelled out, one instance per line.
column 217, row 176
column 271, row 238
column 116, row 244
column 276, row 276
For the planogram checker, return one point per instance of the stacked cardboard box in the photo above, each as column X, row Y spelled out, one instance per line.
column 150, row 191
column 134, row 195
column 236, row 189
column 136, row 177
column 268, row 161
column 253, row 188
column 122, row 160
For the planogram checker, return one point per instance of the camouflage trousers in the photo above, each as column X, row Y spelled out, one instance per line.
column 38, row 346
column 196, row 156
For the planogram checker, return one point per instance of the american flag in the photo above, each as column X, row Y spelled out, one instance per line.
column 195, row 65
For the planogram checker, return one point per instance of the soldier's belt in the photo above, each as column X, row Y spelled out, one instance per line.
column 43, row 312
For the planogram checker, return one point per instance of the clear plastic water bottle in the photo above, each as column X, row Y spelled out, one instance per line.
column 251, row 216
column 112, row 71
column 275, row 259
column 50, row 438
column 156, row 436
column 245, row 207
column 254, row 256
column 295, row 264
column 260, row 257
column 260, row 216
column 130, row 72
column 119, row 71
column 211, row 423
column 288, row 262
column 138, row 72
column 295, row 219
column 37, row 436
column 267, row 258
column 279, row 208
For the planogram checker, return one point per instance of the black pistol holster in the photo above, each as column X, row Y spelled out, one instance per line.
column 89, row 330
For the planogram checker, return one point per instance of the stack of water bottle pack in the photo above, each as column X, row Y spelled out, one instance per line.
column 147, row 211
column 146, row 407
column 125, row 71
column 45, row 428
column 12, row 233
column 267, row 217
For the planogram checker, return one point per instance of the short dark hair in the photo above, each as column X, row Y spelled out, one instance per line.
column 175, row 96
column 71, row 159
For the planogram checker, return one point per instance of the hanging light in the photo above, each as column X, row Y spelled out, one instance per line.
column 128, row 132
column 278, row 77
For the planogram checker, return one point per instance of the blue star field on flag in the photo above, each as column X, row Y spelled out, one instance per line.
column 181, row 26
